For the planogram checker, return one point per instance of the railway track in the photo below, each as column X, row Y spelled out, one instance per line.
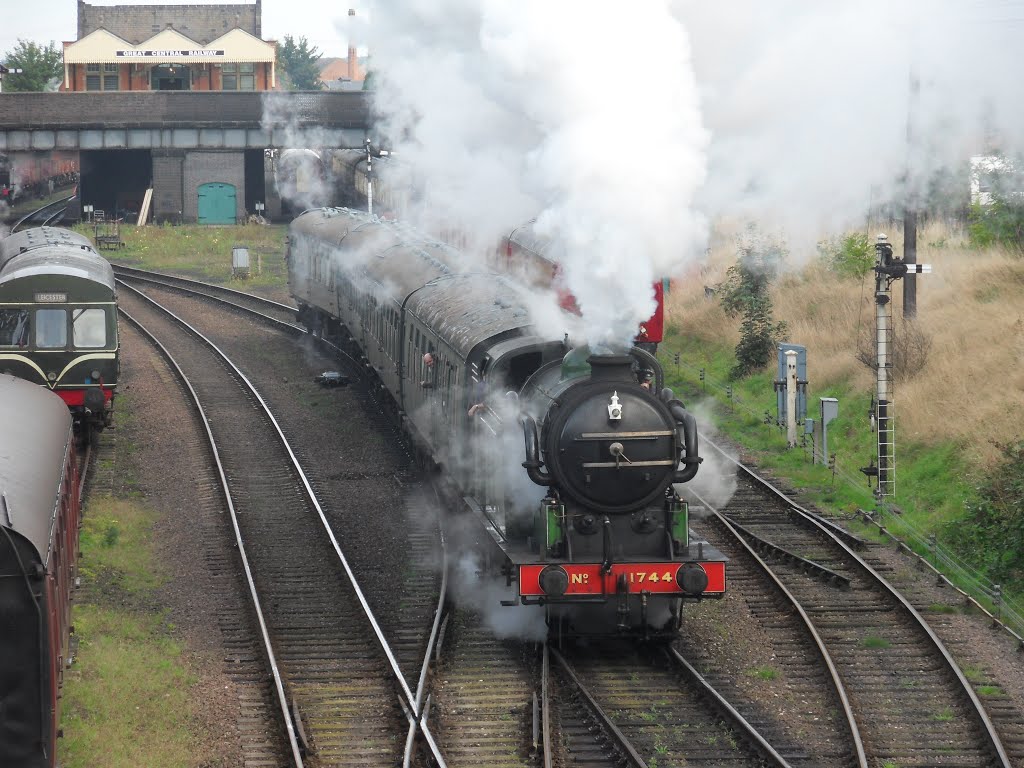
column 338, row 690
column 480, row 702
column 260, row 306
column 49, row 214
column 906, row 701
column 625, row 704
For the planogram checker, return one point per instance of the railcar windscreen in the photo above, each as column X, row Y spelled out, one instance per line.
column 51, row 328
column 89, row 328
column 14, row 327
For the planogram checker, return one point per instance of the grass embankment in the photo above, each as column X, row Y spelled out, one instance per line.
column 202, row 252
column 127, row 699
column 950, row 413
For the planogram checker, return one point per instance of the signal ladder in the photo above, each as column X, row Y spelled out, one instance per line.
column 887, row 270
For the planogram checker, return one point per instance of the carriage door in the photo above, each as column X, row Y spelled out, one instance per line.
column 216, row 203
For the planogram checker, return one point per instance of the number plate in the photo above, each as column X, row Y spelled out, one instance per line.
column 587, row 579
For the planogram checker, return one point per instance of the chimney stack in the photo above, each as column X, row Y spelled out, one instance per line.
column 351, row 47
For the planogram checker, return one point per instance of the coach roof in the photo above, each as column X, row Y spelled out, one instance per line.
column 60, row 260
column 34, row 443
column 36, row 237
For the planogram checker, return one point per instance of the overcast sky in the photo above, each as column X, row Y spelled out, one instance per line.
column 44, row 20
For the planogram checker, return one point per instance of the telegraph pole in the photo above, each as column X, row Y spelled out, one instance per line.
column 910, row 204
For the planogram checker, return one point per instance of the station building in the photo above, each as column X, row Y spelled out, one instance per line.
column 217, row 49
column 170, row 48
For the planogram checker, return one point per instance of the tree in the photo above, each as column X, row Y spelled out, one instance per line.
column 299, row 62
column 745, row 291
column 42, row 68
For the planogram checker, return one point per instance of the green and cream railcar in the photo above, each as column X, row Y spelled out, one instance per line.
column 58, row 320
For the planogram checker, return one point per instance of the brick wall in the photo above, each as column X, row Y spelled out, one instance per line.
column 168, row 109
column 207, row 167
column 168, row 180
column 201, row 23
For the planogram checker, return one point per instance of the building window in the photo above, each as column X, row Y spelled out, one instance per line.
column 111, row 77
column 108, row 81
column 238, row 77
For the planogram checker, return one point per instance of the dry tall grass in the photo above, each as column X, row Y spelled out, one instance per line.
column 971, row 387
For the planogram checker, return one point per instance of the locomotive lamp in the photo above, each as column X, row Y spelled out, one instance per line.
column 614, row 408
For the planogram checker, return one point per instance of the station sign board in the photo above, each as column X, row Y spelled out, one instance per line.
column 197, row 53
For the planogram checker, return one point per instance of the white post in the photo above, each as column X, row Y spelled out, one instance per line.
column 369, row 178
column 791, row 397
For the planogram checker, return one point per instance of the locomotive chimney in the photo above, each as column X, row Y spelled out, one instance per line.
column 352, row 64
column 611, row 368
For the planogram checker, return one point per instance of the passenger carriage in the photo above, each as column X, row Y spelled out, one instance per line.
column 39, row 529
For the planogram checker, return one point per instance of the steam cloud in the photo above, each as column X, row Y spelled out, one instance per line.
column 625, row 127
column 511, row 111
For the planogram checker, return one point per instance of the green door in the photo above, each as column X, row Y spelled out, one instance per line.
column 216, row 203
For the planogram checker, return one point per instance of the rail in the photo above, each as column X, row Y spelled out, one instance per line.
column 984, row 594
column 282, row 700
column 813, row 520
column 414, row 705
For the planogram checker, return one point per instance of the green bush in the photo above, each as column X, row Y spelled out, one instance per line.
column 994, row 529
column 745, row 292
column 851, row 256
column 999, row 223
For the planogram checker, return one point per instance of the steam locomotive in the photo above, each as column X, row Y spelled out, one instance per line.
column 567, row 457
column 39, row 522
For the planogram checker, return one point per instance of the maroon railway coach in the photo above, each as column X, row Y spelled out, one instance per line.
column 39, row 527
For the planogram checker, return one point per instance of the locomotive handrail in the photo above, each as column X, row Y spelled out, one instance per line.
column 533, row 463
column 687, row 429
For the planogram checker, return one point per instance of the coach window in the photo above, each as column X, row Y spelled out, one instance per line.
column 14, row 327
column 89, row 328
column 51, row 328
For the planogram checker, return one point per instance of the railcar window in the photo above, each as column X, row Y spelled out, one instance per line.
column 51, row 328
column 14, row 327
column 89, row 328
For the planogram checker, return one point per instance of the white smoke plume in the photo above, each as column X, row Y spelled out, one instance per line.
column 511, row 111
column 624, row 127
column 808, row 103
